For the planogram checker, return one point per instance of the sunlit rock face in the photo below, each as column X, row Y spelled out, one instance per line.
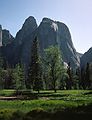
column 56, row 33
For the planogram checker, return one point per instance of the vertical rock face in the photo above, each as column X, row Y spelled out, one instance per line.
column 7, row 38
column 20, row 48
column 7, row 47
column 90, row 69
column 67, row 48
column 49, row 32
column 23, row 40
column 56, row 33
column 46, row 33
column 87, row 57
column 28, row 28
column 0, row 35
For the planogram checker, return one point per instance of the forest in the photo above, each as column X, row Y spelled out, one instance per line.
column 47, row 89
column 45, row 72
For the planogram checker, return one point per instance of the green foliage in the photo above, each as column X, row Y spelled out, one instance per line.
column 19, row 77
column 35, row 68
column 69, row 81
column 86, row 77
column 53, row 66
column 1, row 60
column 1, row 72
column 1, row 79
column 6, row 78
column 63, row 81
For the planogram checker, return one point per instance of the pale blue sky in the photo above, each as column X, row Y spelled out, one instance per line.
column 76, row 14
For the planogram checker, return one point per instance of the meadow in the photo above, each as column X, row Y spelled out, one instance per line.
column 47, row 100
column 77, row 101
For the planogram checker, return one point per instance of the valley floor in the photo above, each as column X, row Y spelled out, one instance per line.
column 46, row 104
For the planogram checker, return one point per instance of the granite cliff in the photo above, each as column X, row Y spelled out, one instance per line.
column 57, row 33
column 49, row 32
column 86, row 58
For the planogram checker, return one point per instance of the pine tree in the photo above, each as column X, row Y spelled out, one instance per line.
column 78, row 77
column 1, row 72
column 82, row 80
column 35, row 68
column 87, row 76
column 69, row 80
column 8, row 78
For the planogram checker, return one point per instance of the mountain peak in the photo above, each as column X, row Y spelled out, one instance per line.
column 49, row 32
column 29, row 21
column 7, row 38
column 90, row 48
column 28, row 27
column 30, row 18
column 45, row 19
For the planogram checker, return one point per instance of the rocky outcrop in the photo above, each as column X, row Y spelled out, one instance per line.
column 56, row 33
column 7, row 38
column 6, row 49
column 28, row 28
column 49, row 32
column 23, row 41
column 86, row 58
column 79, row 54
column 19, row 49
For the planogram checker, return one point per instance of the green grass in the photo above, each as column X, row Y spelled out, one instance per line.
column 6, row 92
column 48, row 100
column 49, row 103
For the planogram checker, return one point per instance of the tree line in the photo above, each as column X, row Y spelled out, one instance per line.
column 45, row 72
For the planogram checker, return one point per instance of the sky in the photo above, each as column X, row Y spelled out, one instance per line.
column 76, row 14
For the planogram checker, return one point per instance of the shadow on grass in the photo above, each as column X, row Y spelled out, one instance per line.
column 80, row 113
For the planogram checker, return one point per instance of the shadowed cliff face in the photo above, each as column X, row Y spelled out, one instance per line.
column 49, row 32
column 7, row 38
column 86, row 58
column 19, row 49
column 23, row 40
column 28, row 28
